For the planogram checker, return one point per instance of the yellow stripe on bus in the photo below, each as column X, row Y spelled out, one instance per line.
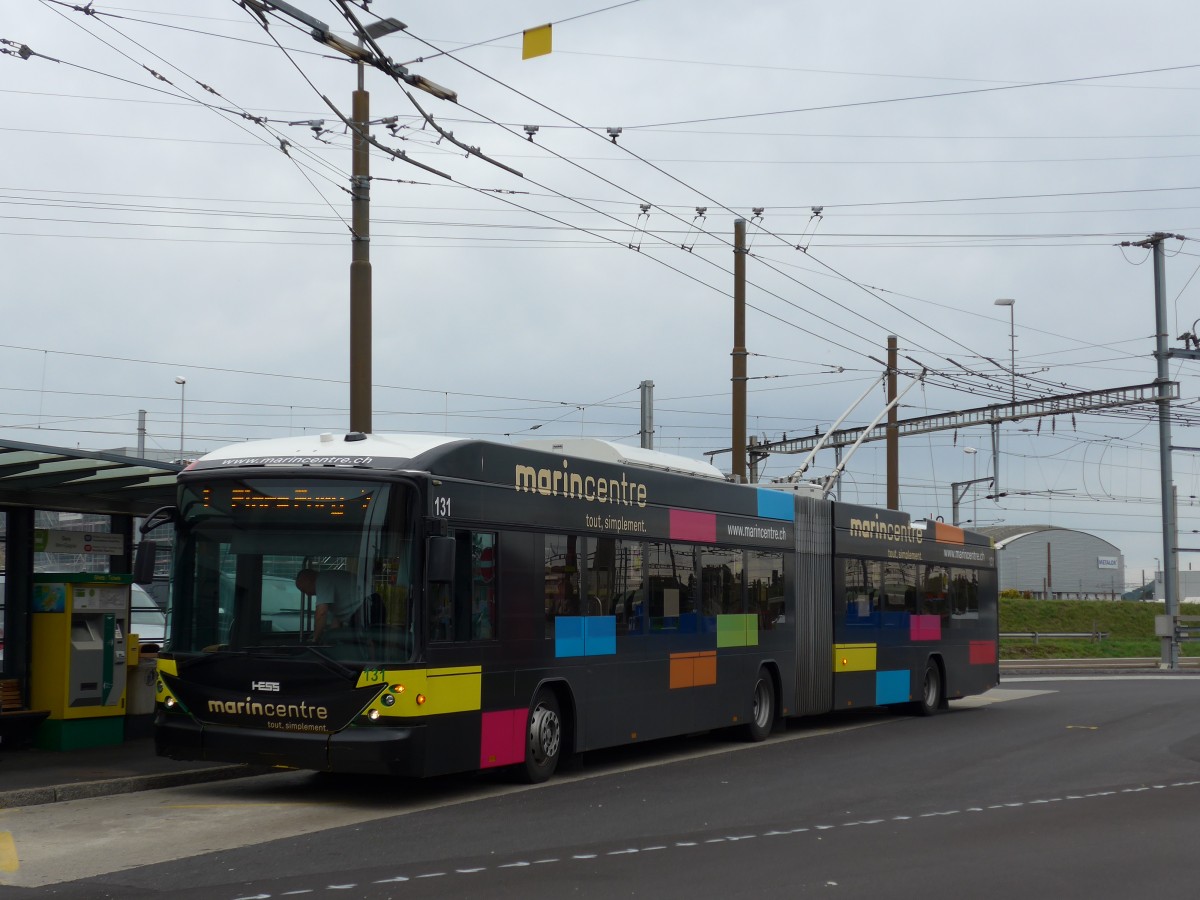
column 426, row 692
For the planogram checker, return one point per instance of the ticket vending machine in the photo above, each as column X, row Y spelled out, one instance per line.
column 80, row 632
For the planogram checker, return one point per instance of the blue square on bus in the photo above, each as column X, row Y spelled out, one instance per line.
column 568, row 636
column 891, row 687
column 600, row 635
column 776, row 505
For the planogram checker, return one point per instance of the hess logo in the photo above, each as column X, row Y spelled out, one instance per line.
column 265, row 686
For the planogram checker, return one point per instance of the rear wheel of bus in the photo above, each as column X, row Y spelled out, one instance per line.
column 762, row 715
column 931, row 690
column 543, row 743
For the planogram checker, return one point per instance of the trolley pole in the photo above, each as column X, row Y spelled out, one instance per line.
column 739, row 350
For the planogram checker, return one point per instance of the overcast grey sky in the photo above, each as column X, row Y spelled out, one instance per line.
column 959, row 153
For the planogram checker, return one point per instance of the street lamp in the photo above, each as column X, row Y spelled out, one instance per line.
column 971, row 451
column 182, row 382
column 1012, row 342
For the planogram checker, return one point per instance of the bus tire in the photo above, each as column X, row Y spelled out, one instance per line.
column 762, row 714
column 543, row 742
column 931, row 691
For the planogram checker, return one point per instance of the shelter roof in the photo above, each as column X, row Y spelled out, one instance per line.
column 34, row 475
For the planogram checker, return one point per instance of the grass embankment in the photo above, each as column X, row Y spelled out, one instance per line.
column 1129, row 626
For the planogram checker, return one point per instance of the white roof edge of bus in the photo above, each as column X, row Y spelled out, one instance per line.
column 407, row 446
column 399, row 446
column 622, row 454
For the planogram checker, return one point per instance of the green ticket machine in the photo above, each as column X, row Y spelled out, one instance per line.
column 80, row 631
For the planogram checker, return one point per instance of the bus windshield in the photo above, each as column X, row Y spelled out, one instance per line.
column 266, row 564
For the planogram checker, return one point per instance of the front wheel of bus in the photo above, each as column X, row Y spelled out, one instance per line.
column 544, row 740
column 931, row 691
column 762, row 716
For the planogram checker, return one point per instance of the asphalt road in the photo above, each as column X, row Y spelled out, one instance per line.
column 1043, row 788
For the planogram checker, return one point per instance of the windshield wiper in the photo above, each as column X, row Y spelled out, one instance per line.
column 296, row 650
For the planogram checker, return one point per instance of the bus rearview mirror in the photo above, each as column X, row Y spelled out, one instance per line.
column 143, row 562
column 440, row 568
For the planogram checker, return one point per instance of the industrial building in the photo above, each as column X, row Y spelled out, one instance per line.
column 1047, row 562
column 1189, row 586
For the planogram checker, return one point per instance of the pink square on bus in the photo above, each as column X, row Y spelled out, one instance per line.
column 693, row 526
column 925, row 628
column 502, row 739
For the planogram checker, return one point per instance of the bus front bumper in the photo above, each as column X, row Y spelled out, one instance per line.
column 375, row 751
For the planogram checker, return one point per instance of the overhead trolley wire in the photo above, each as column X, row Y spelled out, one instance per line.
column 506, row 200
column 931, row 96
column 179, row 93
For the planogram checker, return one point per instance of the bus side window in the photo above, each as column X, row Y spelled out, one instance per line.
column 467, row 611
column 765, row 584
column 601, row 571
column 480, row 589
column 441, row 612
column 562, row 578
column 721, row 581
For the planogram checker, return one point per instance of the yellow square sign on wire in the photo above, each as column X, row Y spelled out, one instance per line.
column 536, row 41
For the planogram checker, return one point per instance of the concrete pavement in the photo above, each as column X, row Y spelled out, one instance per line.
column 29, row 776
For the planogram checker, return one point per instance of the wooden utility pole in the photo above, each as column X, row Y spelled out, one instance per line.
column 360, row 264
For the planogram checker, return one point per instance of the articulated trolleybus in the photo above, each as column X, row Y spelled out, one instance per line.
column 418, row 605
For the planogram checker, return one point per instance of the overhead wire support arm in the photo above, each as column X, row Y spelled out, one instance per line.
column 320, row 31
column 374, row 142
column 449, row 135
column 1063, row 404
column 1060, row 404
column 369, row 53
column 400, row 73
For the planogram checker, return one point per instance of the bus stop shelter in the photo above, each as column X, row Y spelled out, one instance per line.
column 34, row 477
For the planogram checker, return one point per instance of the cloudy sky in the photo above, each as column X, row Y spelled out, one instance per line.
column 162, row 219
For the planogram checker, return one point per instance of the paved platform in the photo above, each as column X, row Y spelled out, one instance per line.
column 29, row 776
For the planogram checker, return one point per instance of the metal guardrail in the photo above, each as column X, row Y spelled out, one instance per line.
column 1147, row 663
column 1035, row 636
column 1181, row 628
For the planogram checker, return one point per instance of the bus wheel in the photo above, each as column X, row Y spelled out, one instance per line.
column 544, row 740
column 931, row 691
column 763, row 715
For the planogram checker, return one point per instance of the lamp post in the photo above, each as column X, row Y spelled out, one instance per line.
column 1012, row 342
column 182, row 382
column 971, row 451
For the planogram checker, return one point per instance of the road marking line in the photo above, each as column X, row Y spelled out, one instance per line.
column 774, row 832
